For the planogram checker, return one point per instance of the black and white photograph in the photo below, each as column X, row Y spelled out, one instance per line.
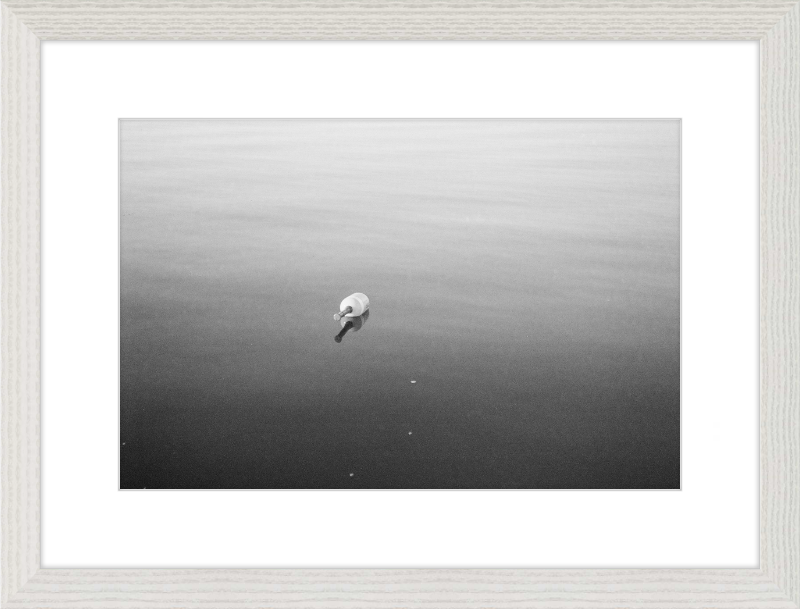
column 400, row 304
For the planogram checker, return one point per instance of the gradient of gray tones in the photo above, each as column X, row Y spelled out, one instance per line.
column 524, row 273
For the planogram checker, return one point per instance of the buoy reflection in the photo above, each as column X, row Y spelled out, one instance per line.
column 351, row 323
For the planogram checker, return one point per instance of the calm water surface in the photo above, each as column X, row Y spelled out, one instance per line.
column 524, row 273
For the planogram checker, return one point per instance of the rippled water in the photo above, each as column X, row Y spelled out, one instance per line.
column 524, row 287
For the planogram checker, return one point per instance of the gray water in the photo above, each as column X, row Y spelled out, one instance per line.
column 524, row 273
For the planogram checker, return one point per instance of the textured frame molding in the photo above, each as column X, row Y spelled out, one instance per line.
column 775, row 24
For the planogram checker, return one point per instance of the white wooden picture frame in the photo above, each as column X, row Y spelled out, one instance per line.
column 775, row 24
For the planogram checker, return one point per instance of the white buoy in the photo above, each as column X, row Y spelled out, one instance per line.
column 353, row 306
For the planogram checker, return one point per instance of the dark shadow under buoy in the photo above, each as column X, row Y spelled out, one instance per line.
column 351, row 323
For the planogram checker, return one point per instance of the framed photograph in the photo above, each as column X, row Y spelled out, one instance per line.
column 389, row 301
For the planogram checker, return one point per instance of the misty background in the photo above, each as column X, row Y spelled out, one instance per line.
column 526, row 274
